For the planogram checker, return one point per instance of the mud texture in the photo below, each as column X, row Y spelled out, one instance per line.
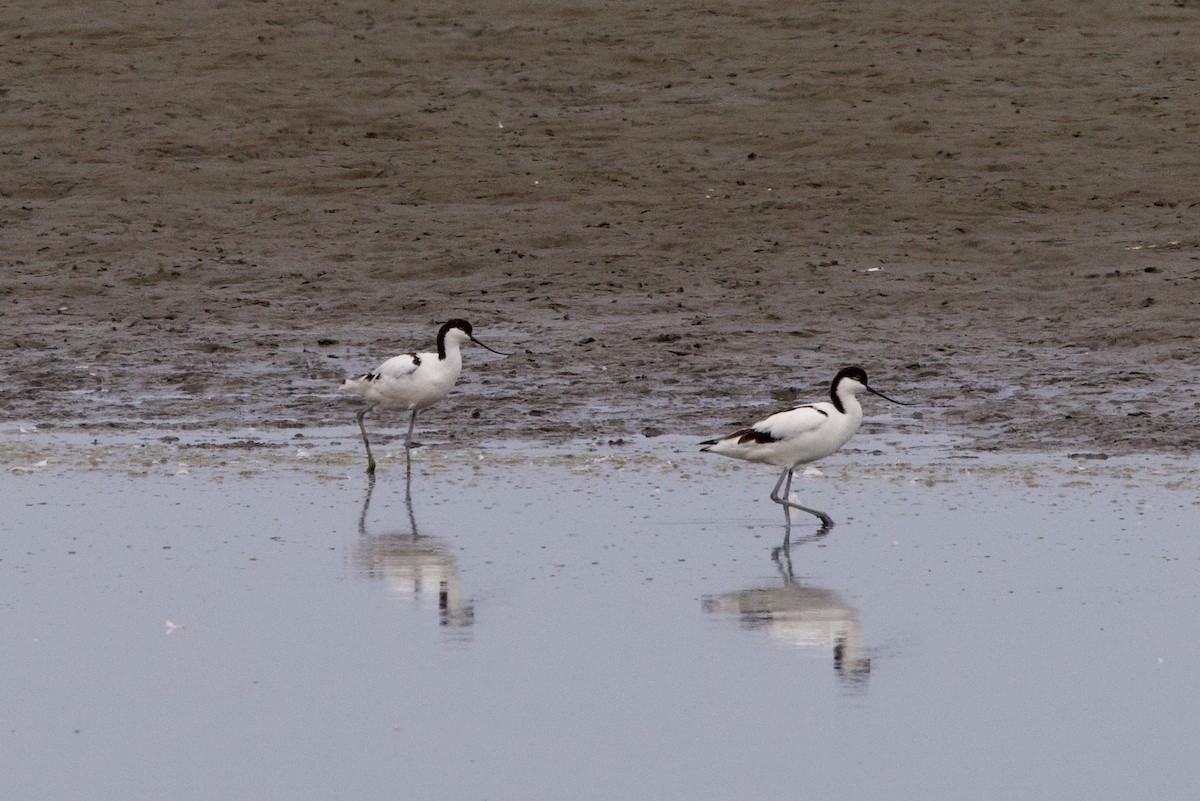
column 680, row 215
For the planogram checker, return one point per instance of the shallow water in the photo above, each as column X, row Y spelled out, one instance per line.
column 198, row 622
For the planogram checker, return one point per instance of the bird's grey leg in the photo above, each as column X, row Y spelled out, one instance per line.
column 363, row 428
column 408, row 446
column 786, row 475
column 408, row 443
column 826, row 520
column 408, row 485
column 787, row 508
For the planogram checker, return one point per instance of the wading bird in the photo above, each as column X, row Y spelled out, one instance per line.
column 801, row 435
column 413, row 381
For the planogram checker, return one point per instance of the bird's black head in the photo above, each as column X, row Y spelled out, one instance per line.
column 447, row 327
column 465, row 327
column 458, row 323
column 859, row 376
column 854, row 373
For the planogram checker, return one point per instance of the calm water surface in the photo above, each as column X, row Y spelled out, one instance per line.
column 619, row 624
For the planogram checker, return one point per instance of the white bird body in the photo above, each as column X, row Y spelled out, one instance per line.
column 795, row 437
column 413, row 381
column 801, row 435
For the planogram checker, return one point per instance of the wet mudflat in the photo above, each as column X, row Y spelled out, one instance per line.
column 674, row 215
column 199, row 619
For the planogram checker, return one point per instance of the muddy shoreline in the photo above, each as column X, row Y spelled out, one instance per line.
column 679, row 217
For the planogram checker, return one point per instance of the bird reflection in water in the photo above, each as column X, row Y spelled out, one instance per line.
column 412, row 565
column 803, row 617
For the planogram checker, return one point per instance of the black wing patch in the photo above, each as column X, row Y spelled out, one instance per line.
column 416, row 360
column 743, row 436
column 753, row 435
